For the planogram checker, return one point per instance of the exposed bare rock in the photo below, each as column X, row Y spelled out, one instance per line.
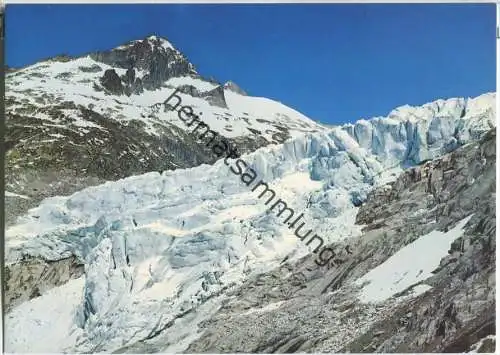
column 30, row 278
column 216, row 97
column 112, row 82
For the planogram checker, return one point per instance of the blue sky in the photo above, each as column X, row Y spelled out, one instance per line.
column 334, row 62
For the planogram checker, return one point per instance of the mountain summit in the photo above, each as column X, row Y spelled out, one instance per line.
column 149, row 63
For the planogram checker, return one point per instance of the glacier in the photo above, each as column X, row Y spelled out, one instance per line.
column 161, row 250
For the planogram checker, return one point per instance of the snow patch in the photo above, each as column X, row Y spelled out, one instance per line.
column 13, row 194
column 45, row 324
column 397, row 273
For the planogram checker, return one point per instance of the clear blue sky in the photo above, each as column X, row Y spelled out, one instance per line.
column 334, row 62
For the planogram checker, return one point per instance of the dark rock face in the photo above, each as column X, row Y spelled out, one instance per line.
column 129, row 76
column 189, row 90
column 92, row 69
column 131, row 84
column 216, row 97
column 159, row 61
column 112, row 82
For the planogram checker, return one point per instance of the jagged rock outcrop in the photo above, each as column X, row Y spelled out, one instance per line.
column 132, row 85
column 216, row 97
column 189, row 90
column 92, row 69
column 112, row 82
column 230, row 85
column 153, row 55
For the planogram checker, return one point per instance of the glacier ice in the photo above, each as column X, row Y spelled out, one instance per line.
column 158, row 247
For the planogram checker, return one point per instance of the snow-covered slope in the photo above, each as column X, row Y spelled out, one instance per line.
column 165, row 247
column 52, row 83
column 82, row 81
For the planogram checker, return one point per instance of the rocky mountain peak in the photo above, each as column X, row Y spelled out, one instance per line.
column 159, row 42
column 154, row 57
